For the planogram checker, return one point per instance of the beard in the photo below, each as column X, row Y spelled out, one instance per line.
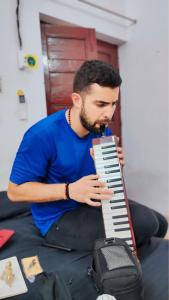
column 91, row 127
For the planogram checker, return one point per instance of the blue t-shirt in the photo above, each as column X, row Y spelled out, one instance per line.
column 51, row 152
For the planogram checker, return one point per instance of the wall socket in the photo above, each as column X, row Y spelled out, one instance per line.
column 27, row 61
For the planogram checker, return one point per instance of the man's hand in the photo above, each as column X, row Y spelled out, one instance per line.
column 120, row 153
column 89, row 188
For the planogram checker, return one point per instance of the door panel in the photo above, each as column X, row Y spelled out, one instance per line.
column 64, row 50
column 58, row 94
column 60, row 65
column 61, row 48
column 109, row 54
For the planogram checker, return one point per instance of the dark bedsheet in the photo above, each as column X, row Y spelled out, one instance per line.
column 73, row 266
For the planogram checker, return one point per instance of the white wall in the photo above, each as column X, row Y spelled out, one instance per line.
column 144, row 68
column 11, row 127
column 144, row 97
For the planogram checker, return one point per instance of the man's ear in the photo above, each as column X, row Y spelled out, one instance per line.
column 77, row 100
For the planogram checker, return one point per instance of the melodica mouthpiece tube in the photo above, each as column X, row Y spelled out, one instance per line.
column 102, row 128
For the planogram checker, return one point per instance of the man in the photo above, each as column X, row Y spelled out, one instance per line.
column 55, row 171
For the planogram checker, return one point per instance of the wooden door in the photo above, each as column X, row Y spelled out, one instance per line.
column 64, row 50
column 109, row 53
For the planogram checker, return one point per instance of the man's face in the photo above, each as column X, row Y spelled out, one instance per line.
column 98, row 107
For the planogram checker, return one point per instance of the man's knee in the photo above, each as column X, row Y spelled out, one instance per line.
column 145, row 222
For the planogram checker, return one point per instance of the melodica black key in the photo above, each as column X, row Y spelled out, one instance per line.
column 116, row 215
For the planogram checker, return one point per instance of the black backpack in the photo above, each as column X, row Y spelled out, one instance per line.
column 116, row 270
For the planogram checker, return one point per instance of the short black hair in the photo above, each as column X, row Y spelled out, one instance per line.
column 95, row 71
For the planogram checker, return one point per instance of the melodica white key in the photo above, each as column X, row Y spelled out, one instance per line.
column 116, row 215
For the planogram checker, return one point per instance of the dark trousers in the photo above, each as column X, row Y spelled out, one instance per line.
column 78, row 229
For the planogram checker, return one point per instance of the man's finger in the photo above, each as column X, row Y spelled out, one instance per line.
column 92, row 177
column 101, row 197
column 93, row 203
column 121, row 157
column 117, row 139
column 122, row 162
column 103, row 191
column 97, row 183
column 120, row 149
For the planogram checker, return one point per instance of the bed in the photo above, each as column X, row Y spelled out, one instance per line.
column 72, row 267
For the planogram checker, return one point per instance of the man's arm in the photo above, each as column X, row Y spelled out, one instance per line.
column 36, row 192
column 83, row 190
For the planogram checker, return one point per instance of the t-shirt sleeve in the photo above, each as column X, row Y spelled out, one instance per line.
column 31, row 160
